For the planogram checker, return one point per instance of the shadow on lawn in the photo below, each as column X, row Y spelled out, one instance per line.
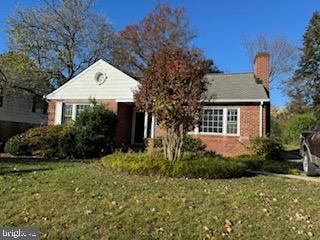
column 10, row 171
column 37, row 160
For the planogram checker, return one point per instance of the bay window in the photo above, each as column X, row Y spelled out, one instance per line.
column 219, row 121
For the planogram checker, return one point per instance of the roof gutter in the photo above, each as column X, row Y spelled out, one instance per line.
column 235, row 100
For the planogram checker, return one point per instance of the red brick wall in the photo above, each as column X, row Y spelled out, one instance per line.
column 234, row 145
column 249, row 121
column 51, row 112
column 225, row 145
column 110, row 104
column 122, row 110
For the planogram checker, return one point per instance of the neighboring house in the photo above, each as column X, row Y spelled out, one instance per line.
column 18, row 112
column 238, row 111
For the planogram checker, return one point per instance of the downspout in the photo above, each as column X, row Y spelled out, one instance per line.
column 261, row 118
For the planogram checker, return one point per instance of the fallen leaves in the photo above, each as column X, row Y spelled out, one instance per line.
column 228, row 225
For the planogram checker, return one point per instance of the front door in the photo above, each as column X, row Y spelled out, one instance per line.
column 139, row 128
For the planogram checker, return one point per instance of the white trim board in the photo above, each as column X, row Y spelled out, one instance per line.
column 236, row 100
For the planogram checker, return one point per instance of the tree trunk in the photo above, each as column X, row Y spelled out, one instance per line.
column 172, row 146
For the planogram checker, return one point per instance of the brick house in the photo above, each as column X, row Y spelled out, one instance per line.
column 238, row 110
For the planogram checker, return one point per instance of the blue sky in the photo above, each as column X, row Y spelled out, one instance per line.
column 220, row 24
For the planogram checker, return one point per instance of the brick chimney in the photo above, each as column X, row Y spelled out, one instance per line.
column 261, row 69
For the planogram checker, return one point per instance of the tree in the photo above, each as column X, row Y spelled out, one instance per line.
column 172, row 86
column 18, row 73
column 283, row 54
column 63, row 37
column 305, row 83
column 138, row 43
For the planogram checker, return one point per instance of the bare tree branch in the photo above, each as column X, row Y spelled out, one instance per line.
column 63, row 37
column 283, row 55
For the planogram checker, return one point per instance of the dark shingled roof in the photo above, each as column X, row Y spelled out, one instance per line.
column 237, row 86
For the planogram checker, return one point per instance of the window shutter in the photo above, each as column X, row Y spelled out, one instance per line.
column 58, row 113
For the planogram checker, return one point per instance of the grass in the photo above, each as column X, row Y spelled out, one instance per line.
column 84, row 200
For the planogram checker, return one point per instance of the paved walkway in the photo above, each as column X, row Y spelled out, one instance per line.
column 305, row 178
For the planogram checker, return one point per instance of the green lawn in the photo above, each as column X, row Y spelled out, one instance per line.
column 84, row 200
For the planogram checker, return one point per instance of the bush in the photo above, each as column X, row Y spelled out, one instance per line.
column 18, row 145
column 190, row 144
column 269, row 148
column 91, row 135
column 44, row 141
column 67, row 142
column 200, row 167
column 193, row 144
column 94, row 132
column 41, row 141
column 296, row 125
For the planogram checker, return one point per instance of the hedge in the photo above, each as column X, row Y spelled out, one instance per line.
column 194, row 166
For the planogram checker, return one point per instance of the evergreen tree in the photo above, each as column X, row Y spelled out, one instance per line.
column 307, row 76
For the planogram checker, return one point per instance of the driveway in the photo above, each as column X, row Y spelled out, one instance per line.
column 294, row 157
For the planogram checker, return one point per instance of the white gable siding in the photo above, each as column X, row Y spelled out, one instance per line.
column 18, row 108
column 118, row 86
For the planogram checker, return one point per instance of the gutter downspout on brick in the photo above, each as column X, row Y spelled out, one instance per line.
column 261, row 118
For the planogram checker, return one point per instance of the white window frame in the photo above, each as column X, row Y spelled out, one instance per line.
column 224, row 124
column 63, row 112
column 74, row 110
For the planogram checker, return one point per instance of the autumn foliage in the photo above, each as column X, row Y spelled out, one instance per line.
column 137, row 43
column 172, row 86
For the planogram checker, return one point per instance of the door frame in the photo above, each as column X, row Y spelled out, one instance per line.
column 146, row 123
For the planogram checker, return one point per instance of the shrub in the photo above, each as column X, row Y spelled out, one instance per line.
column 190, row 144
column 201, row 167
column 94, row 132
column 193, row 144
column 67, row 141
column 41, row 141
column 267, row 147
column 296, row 125
column 91, row 135
column 44, row 141
column 18, row 145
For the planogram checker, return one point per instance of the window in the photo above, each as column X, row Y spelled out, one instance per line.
column 39, row 105
column 71, row 111
column 1, row 96
column 67, row 113
column 212, row 121
column 232, row 121
column 223, row 121
column 81, row 108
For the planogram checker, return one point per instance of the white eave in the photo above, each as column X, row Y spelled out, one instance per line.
column 235, row 100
